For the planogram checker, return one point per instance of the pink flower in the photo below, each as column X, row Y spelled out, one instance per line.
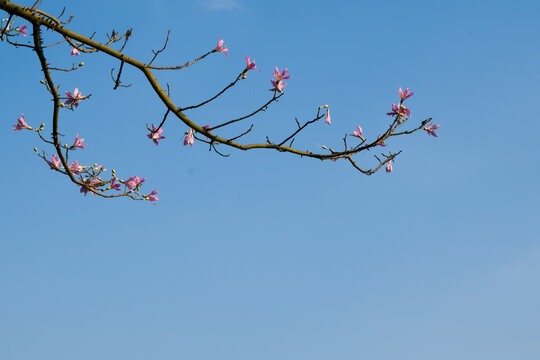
column 220, row 48
column 78, row 143
column 389, row 166
column 251, row 65
column 114, row 184
column 281, row 76
column 74, row 98
column 23, row 31
column 155, row 134
column 327, row 117
column 399, row 110
column 358, row 133
column 90, row 183
column 134, row 182
column 405, row 94
column 75, row 167
column 431, row 129
column 152, row 196
column 189, row 138
column 75, row 52
column 21, row 124
column 278, row 85
column 55, row 163
column 382, row 142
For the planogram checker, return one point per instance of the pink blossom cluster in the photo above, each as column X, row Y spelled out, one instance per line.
column 21, row 124
column 93, row 183
column 358, row 133
column 155, row 134
column 74, row 98
column 221, row 48
column 251, row 64
column 400, row 110
column 78, row 143
column 23, row 30
column 277, row 82
column 431, row 129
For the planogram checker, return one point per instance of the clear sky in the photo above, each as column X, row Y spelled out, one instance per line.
column 263, row 255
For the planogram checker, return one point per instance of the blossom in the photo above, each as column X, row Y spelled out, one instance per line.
column 278, row 85
column 389, row 166
column 89, row 183
column 55, row 163
column 78, row 143
column 23, row 31
column 251, row 65
column 358, row 133
column 134, row 182
column 431, row 129
column 114, row 184
column 189, row 138
column 220, row 48
column 152, row 196
column 405, row 94
column 382, row 142
column 327, row 117
column 75, row 167
column 74, row 98
column 75, row 52
column 155, row 134
column 21, row 124
column 281, row 76
column 399, row 110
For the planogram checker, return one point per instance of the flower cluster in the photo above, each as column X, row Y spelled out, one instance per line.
column 277, row 82
column 78, row 143
column 400, row 110
column 74, row 98
column 23, row 31
column 358, row 133
column 21, row 124
column 251, row 64
column 155, row 134
column 431, row 129
column 220, row 48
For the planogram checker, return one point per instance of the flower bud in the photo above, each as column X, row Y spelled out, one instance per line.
column 42, row 82
column 81, row 64
column 35, row 149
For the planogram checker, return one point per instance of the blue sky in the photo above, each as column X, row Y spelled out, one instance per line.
column 262, row 255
